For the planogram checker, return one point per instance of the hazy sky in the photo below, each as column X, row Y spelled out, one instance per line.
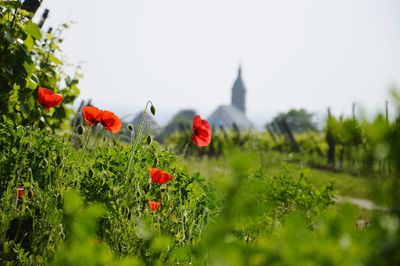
column 185, row 54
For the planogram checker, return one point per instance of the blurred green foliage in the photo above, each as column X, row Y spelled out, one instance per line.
column 179, row 123
column 299, row 120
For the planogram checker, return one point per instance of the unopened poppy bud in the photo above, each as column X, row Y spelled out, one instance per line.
column 58, row 160
column 76, row 142
column 25, row 146
column 148, row 140
column 163, row 187
column 80, row 130
column 34, row 114
column 130, row 127
column 152, row 109
column 30, row 193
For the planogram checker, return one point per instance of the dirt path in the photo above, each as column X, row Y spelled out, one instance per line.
column 362, row 203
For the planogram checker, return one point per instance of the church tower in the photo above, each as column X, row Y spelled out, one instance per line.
column 239, row 92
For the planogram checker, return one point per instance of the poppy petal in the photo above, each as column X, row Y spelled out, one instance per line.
column 154, row 205
column 111, row 122
column 196, row 122
column 91, row 115
column 201, row 132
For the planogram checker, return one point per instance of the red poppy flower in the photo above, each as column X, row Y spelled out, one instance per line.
column 20, row 192
column 107, row 119
column 154, row 205
column 48, row 98
column 201, row 132
column 159, row 176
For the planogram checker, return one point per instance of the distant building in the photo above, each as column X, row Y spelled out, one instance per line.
column 239, row 93
column 229, row 116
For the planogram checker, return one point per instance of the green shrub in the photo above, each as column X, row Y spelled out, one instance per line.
column 29, row 58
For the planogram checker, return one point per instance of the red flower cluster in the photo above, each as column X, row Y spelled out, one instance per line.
column 154, row 205
column 159, row 176
column 107, row 119
column 201, row 131
column 48, row 98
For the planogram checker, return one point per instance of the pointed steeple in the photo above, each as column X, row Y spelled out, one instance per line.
column 239, row 92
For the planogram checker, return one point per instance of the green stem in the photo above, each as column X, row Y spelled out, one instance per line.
column 138, row 137
column 92, row 128
column 185, row 149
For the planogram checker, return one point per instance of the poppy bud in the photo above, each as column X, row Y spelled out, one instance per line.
column 152, row 109
column 58, row 160
column 30, row 193
column 130, row 127
column 25, row 146
column 91, row 173
column 45, row 163
column 80, row 130
column 76, row 142
column 148, row 140
column 34, row 114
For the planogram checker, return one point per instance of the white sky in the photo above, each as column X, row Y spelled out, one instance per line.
column 185, row 54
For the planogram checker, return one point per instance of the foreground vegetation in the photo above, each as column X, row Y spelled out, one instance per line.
column 81, row 207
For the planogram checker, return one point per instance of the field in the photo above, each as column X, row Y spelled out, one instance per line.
column 245, row 207
column 80, row 187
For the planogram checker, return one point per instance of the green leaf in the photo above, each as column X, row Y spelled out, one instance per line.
column 29, row 43
column 54, row 46
column 30, row 84
column 33, row 29
column 28, row 68
column 25, row 13
column 54, row 59
column 13, row 100
column 35, row 78
column 10, row 4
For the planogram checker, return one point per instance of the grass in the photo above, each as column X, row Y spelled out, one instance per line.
column 364, row 187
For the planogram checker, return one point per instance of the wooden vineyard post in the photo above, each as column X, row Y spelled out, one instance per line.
column 287, row 132
column 271, row 133
column 331, row 142
column 290, row 136
column 31, row 5
column 387, row 111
